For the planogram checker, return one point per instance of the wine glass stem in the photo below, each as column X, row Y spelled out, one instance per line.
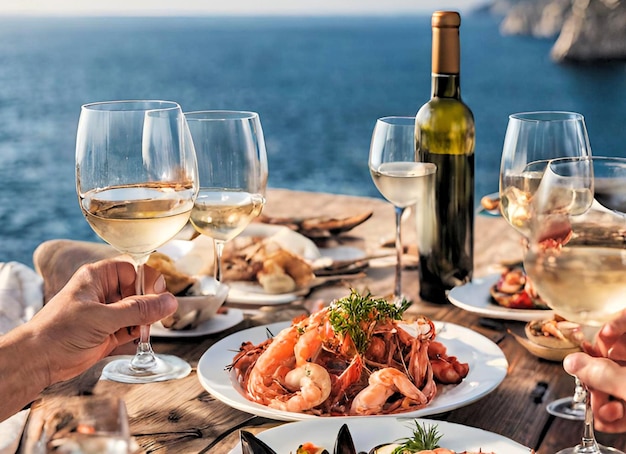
column 219, row 249
column 399, row 250
column 144, row 359
column 588, row 443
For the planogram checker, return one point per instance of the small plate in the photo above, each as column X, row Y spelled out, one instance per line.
column 495, row 213
column 219, row 323
column 547, row 353
column 475, row 297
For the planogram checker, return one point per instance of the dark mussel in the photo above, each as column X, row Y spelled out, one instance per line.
column 252, row 445
column 344, row 443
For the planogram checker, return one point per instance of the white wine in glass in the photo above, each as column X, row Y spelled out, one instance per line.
column 136, row 179
column 399, row 176
column 577, row 255
column 232, row 167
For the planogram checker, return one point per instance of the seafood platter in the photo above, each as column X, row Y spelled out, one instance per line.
column 353, row 435
column 357, row 356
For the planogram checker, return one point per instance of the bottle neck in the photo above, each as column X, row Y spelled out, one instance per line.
column 446, row 86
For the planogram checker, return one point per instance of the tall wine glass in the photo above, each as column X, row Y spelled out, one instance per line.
column 232, row 166
column 530, row 141
column 398, row 175
column 136, row 179
column 576, row 249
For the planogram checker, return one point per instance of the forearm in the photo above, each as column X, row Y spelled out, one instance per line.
column 23, row 370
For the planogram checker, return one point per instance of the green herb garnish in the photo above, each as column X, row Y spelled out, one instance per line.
column 355, row 314
column 423, row 438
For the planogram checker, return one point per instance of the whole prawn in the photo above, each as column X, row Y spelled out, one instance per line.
column 268, row 372
column 290, row 348
column 383, row 383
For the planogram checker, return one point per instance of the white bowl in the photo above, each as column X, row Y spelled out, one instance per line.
column 202, row 303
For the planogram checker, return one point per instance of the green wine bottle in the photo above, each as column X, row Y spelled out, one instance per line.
column 445, row 135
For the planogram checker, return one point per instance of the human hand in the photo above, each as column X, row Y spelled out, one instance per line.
column 611, row 340
column 605, row 380
column 96, row 312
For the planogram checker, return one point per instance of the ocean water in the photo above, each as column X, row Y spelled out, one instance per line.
column 318, row 84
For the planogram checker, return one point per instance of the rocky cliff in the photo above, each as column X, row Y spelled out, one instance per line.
column 585, row 30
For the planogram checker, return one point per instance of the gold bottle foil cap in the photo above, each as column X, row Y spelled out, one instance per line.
column 446, row 48
column 446, row 19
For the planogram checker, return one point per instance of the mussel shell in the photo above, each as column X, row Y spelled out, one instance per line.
column 252, row 445
column 344, row 443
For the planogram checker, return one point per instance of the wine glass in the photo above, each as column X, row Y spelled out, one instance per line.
column 399, row 176
column 576, row 249
column 232, row 168
column 78, row 424
column 530, row 141
column 136, row 179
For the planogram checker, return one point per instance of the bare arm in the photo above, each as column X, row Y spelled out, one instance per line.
column 92, row 315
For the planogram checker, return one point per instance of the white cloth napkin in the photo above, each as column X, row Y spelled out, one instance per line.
column 21, row 296
column 11, row 432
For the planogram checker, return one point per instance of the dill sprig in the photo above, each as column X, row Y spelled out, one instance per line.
column 423, row 438
column 354, row 314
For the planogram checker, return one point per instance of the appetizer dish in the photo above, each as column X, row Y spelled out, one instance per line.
column 355, row 357
column 199, row 297
column 267, row 261
column 554, row 333
column 551, row 339
column 424, row 440
column 514, row 289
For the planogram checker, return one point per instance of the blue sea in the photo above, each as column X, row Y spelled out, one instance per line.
column 319, row 84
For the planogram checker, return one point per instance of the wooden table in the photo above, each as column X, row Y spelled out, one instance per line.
column 181, row 417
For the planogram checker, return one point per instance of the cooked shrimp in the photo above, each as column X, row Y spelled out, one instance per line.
column 308, row 346
column 267, row 375
column 419, row 367
column 311, row 383
column 383, row 383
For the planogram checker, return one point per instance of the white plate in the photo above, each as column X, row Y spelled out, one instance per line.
column 216, row 324
column 475, row 297
column 369, row 433
column 487, row 369
column 342, row 253
column 254, row 294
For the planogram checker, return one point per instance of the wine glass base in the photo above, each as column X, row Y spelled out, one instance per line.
column 167, row 367
column 566, row 408
column 581, row 450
